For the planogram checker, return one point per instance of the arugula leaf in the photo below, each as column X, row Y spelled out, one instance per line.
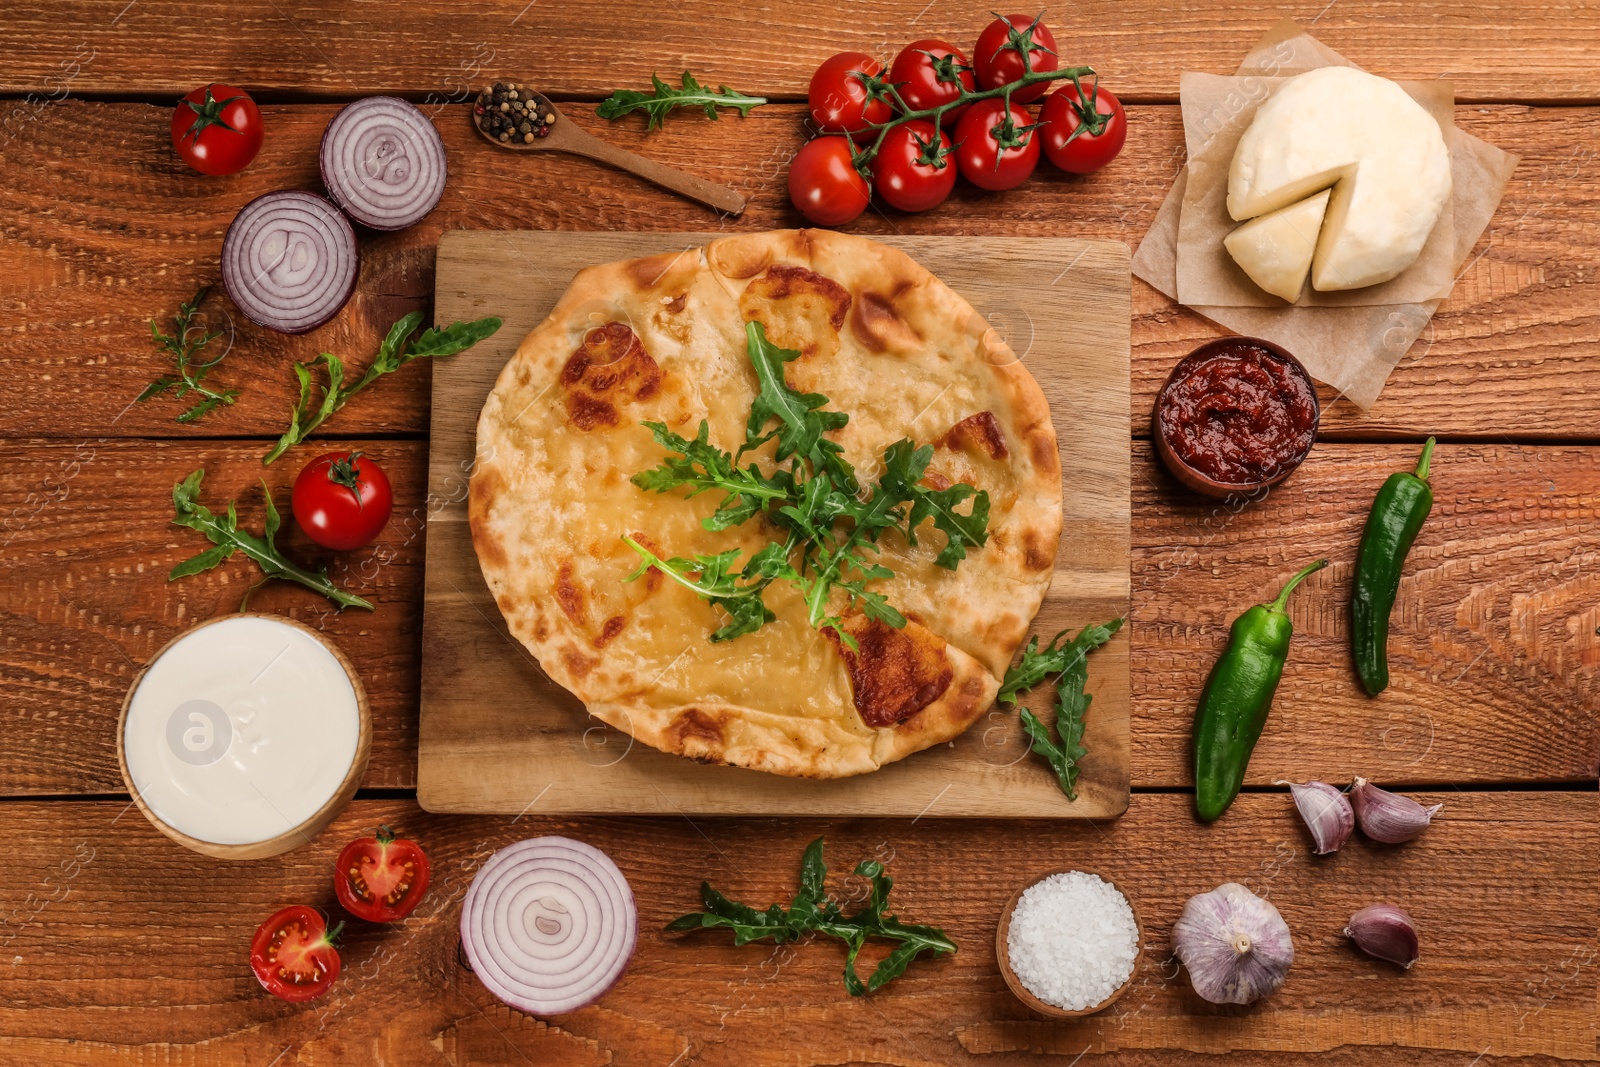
column 227, row 538
column 713, row 577
column 802, row 418
column 395, row 352
column 701, row 467
column 663, row 98
column 812, row 911
column 184, row 344
column 1070, row 661
column 904, row 465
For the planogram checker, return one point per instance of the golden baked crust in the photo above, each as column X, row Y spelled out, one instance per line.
column 662, row 339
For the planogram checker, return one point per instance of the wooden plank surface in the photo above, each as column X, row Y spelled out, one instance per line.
column 1507, row 973
column 101, row 236
column 495, row 734
column 443, row 48
column 1497, row 660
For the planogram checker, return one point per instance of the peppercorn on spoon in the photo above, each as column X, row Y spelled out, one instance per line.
column 526, row 121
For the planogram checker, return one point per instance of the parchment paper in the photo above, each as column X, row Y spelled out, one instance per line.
column 1351, row 347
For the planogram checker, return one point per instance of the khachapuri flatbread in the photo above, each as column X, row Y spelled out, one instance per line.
column 877, row 349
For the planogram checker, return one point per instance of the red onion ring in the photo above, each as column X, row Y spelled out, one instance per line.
column 383, row 162
column 289, row 261
column 549, row 925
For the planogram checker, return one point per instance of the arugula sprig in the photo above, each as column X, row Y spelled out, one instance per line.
column 226, row 539
column 1068, row 660
column 398, row 349
column 189, row 371
column 828, row 518
column 663, row 98
column 812, row 911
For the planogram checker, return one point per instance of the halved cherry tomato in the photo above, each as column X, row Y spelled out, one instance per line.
column 293, row 954
column 217, row 129
column 915, row 168
column 1010, row 47
column 1082, row 136
column 996, row 147
column 824, row 183
column 342, row 500
column 931, row 72
column 848, row 92
column 380, row 879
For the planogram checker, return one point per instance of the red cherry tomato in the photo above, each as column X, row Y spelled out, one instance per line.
column 1071, row 139
column 380, row 879
column 995, row 150
column 342, row 500
column 1008, row 48
column 931, row 72
column 915, row 168
column 217, row 129
column 293, row 956
column 848, row 92
column 824, row 183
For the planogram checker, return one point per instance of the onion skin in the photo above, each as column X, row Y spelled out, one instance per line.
column 270, row 290
column 1385, row 932
column 1234, row 944
column 383, row 162
column 548, row 925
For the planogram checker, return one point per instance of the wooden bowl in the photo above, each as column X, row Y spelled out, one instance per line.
column 313, row 825
column 1204, row 484
column 1002, row 951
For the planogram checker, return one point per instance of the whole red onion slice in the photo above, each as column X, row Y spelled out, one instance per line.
column 289, row 261
column 549, row 924
column 383, row 162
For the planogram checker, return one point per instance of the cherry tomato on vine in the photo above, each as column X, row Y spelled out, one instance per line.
column 342, row 500
column 380, row 879
column 915, row 168
column 931, row 72
column 1010, row 47
column 217, row 129
column 1081, row 136
column 848, row 92
column 994, row 146
column 824, row 183
column 293, row 956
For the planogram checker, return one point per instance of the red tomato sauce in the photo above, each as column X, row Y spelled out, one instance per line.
column 1239, row 414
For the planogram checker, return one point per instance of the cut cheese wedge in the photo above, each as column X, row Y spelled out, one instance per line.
column 1276, row 249
column 1379, row 151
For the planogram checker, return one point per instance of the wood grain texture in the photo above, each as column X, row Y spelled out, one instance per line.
column 1494, row 647
column 497, row 736
column 448, row 47
column 1507, row 974
column 100, row 237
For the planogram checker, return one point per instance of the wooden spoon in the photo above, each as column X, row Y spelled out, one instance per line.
column 561, row 135
column 1002, row 950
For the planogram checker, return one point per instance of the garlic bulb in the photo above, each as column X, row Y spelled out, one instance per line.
column 1235, row 944
column 1386, row 933
column 1326, row 813
column 1388, row 817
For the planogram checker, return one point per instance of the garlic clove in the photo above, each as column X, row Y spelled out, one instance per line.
column 1388, row 817
column 1385, row 932
column 1326, row 813
column 1234, row 944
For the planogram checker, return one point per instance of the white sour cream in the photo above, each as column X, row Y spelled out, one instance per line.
column 241, row 730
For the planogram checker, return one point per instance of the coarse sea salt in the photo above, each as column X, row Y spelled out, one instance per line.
column 1073, row 940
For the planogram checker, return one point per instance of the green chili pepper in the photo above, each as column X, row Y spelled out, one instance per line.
column 1234, row 704
column 1398, row 512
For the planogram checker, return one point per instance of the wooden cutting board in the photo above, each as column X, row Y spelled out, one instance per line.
column 497, row 736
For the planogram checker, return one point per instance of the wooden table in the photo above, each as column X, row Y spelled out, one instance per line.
column 120, row 948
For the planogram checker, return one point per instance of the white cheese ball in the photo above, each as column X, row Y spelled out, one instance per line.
column 1381, row 152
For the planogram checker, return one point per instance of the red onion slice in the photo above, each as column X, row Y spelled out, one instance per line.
column 549, row 925
column 383, row 162
column 289, row 261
